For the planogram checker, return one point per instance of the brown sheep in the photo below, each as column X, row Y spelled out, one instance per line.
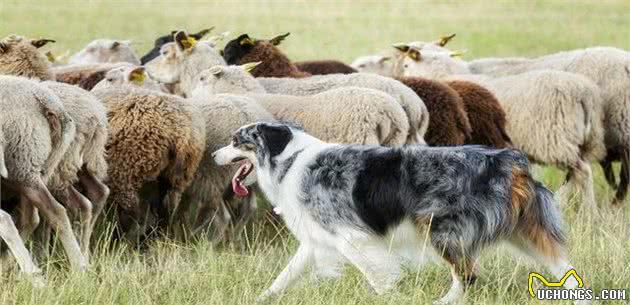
column 155, row 138
column 486, row 116
column 448, row 123
column 30, row 64
column 273, row 62
column 323, row 67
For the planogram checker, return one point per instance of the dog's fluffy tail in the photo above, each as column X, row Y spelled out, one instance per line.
column 539, row 221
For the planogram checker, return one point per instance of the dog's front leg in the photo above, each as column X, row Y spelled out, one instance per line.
column 293, row 271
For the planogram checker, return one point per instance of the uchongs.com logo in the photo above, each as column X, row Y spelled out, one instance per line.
column 553, row 291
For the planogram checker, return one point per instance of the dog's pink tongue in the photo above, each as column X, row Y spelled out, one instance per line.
column 237, row 186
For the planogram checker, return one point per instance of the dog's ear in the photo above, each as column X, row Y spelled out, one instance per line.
column 275, row 137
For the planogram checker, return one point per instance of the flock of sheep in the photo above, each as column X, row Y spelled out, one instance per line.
column 104, row 130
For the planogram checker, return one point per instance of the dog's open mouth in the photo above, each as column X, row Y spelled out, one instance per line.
column 238, row 181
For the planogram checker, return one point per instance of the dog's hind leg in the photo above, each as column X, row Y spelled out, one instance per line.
column 302, row 259
column 328, row 264
column 373, row 258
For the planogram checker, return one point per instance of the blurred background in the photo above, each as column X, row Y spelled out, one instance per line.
column 334, row 29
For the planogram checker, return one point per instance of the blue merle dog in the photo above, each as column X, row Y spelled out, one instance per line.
column 375, row 207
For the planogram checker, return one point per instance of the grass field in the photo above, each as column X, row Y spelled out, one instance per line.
column 195, row 273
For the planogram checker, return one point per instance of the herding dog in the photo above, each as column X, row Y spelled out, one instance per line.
column 367, row 204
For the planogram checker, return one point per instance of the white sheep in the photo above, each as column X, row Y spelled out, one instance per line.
column 609, row 68
column 128, row 75
column 554, row 116
column 180, row 62
column 342, row 115
column 105, row 51
column 37, row 133
column 377, row 64
column 84, row 162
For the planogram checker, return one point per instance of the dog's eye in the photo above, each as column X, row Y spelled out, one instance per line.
column 235, row 140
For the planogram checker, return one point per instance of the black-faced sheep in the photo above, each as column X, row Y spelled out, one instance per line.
column 273, row 63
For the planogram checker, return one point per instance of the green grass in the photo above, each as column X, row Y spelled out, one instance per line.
column 195, row 273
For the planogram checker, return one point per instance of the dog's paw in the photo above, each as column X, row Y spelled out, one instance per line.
column 264, row 297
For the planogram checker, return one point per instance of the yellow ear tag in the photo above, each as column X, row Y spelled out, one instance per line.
column 189, row 42
column 137, row 77
column 247, row 41
column 50, row 56
column 413, row 54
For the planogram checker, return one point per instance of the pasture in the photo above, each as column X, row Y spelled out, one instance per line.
column 169, row 272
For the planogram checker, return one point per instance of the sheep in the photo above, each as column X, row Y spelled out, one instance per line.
column 556, row 117
column 18, row 58
column 155, row 138
column 273, row 62
column 180, row 62
column 377, row 64
column 487, row 118
column 413, row 106
column 162, row 40
column 608, row 68
column 128, row 75
column 84, row 162
column 105, row 51
column 38, row 132
column 368, row 116
column 208, row 200
column 83, row 74
column 323, row 67
column 485, row 114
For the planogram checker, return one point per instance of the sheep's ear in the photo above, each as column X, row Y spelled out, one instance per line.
column 38, row 43
column 278, row 39
column 115, row 45
column 4, row 47
column 183, row 41
column 444, row 40
column 246, row 41
column 250, row 65
column 137, row 76
column 384, row 59
column 202, row 33
column 414, row 54
column 216, row 71
column 402, row 47
column 50, row 56
column 457, row 53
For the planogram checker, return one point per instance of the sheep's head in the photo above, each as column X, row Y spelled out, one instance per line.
column 227, row 79
column 430, row 64
column 127, row 75
column 106, row 51
column 162, row 40
column 376, row 64
column 238, row 49
column 182, row 58
column 20, row 56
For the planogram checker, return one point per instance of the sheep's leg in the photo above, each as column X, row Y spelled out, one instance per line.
column 28, row 218
column 582, row 179
column 57, row 217
column 83, row 208
column 11, row 237
column 622, row 188
column 609, row 172
column 96, row 191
